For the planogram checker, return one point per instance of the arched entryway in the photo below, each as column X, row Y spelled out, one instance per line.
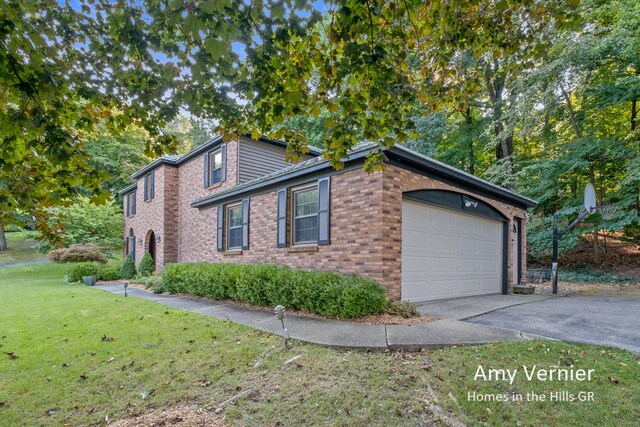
column 150, row 245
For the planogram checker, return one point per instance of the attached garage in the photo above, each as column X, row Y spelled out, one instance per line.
column 453, row 246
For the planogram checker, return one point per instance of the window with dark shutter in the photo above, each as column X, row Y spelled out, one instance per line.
column 245, row 224
column 304, row 219
column 234, row 226
column 206, row 170
column 153, row 184
column 324, row 203
column 149, row 186
column 282, row 218
column 220, row 229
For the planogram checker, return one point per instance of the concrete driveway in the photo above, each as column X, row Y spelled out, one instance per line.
column 593, row 320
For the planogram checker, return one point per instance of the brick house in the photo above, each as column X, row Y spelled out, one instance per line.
column 423, row 229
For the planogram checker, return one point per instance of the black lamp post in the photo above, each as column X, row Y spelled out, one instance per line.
column 126, row 285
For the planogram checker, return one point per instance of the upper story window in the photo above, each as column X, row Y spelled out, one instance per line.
column 215, row 166
column 149, row 186
column 305, row 215
column 215, row 163
column 234, row 226
column 131, row 203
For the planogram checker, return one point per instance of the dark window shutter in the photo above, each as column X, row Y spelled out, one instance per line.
column 324, row 204
column 223, row 154
column 153, row 185
column 127, row 200
column 245, row 224
column 220, row 228
column 282, row 218
column 144, row 193
column 206, row 170
column 133, row 205
column 133, row 248
column 126, row 246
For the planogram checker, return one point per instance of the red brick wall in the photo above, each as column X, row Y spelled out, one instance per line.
column 150, row 215
column 366, row 221
column 196, row 228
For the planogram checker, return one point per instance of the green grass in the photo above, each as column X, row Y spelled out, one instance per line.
column 19, row 248
column 160, row 357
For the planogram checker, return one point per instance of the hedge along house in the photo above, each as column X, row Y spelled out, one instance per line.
column 421, row 228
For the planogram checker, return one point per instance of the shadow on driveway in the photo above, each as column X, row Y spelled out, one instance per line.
column 611, row 321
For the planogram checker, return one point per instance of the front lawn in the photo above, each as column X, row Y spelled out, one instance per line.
column 77, row 355
column 20, row 248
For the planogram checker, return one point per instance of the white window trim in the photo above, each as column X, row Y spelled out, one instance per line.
column 227, row 226
column 293, row 191
column 212, row 163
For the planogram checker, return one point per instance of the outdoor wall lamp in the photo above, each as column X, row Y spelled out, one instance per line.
column 469, row 203
column 158, row 238
column 140, row 242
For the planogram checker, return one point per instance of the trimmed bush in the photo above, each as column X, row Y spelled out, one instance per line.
column 108, row 273
column 325, row 293
column 77, row 271
column 128, row 270
column 78, row 253
column 404, row 309
column 146, row 266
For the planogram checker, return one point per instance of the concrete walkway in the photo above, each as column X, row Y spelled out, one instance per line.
column 20, row 264
column 467, row 307
column 341, row 334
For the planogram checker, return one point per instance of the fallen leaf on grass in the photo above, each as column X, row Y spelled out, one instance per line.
column 146, row 394
column 111, row 360
column 205, row 384
column 11, row 355
column 3, row 404
column 106, row 338
column 65, row 365
column 427, row 365
column 51, row 411
column 613, row 380
column 82, row 378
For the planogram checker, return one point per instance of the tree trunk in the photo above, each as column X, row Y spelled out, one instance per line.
column 634, row 114
column 3, row 239
column 495, row 87
column 472, row 158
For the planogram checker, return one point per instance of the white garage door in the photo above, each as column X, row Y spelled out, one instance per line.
column 448, row 254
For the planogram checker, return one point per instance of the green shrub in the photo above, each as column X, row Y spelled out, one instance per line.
column 404, row 309
column 108, row 273
column 128, row 270
column 78, row 253
column 146, row 266
column 76, row 272
column 325, row 293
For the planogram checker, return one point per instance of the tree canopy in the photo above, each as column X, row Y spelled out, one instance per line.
column 537, row 96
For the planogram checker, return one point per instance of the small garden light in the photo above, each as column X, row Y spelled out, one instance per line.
column 280, row 315
column 126, row 285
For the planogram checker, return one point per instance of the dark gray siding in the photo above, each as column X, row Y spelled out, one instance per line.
column 257, row 159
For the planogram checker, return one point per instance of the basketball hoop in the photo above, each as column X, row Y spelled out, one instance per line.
column 607, row 211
